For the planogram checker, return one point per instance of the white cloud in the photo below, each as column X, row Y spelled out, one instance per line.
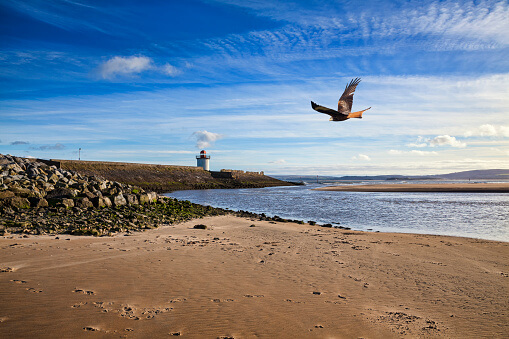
column 422, row 144
column 361, row 157
column 489, row 130
column 278, row 162
column 441, row 140
column 446, row 140
column 205, row 139
column 416, row 152
column 171, row 70
column 121, row 66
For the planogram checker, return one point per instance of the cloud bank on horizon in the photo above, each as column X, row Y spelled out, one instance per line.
column 128, row 81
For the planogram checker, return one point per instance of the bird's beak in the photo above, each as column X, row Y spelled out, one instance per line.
column 330, row 119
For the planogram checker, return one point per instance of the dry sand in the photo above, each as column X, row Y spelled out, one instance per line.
column 274, row 280
column 467, row 188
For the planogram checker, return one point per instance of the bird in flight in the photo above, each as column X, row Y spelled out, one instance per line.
column 344, row 111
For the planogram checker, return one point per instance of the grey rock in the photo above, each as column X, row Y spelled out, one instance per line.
column 98, row 202
column 107, row 201
column 119, row 200
column 144, row 198
column 152, row 196
column 53, row 178
column 67, row 203
column 60, row 193
column 132, row 199
column 83, row 203
column 6, row 194
column 16, row 202
column 38, row 202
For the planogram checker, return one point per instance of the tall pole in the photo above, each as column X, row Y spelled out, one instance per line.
column 79, row 154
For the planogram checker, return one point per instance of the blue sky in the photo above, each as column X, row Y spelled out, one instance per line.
column 157, row 81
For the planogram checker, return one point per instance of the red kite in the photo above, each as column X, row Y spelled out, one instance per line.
column 344, row 105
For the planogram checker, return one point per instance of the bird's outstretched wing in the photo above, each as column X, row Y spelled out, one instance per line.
column 346, row 100
column 323, row 109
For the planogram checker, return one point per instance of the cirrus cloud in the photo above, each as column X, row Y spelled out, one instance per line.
column 55, row 147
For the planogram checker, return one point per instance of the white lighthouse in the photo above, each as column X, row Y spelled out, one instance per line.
column 202, row 160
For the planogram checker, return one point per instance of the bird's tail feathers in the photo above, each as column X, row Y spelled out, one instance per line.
column 357, row 114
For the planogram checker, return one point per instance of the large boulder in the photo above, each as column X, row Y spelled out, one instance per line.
column 83, row 203
column 60, row 192
column 131, row 199
column 152, row 196
column 16, row 202
column 33, row 172
column 119, row 200
column 53, row 178
column 6, row 194
column 144, row 198
column 67, row 203
column 107, row 201
column 38, row 202
column 23, row 192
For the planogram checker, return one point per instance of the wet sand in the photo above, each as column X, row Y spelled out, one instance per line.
column 273, row 280
column 465, row 188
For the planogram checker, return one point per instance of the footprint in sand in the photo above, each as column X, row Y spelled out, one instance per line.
column 90, row 329
column 19, row 281
column 294, row 301
column 79, row 305
column 31, row 289
column 177, row 300
column 224, row 300
column 77, row 290
column 6, row 270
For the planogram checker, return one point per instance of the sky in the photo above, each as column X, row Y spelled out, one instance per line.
column 156, row 81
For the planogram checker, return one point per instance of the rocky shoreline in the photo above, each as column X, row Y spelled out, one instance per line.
column 39, row 199
column 36, row 198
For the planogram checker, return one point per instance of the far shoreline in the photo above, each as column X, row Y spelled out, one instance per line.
column 445, row 188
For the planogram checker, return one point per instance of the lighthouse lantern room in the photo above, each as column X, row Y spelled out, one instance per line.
column 202, row 160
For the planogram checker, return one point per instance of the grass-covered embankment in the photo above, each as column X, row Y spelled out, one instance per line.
column 166, row 178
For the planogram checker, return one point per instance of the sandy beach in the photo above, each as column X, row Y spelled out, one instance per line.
column 246, row 278
column 459, row 187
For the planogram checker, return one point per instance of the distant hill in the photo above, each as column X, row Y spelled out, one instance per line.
column 502, row 174
column 491, row 174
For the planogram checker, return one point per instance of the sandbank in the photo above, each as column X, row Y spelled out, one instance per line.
column 245, row 278
column 455, row 187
